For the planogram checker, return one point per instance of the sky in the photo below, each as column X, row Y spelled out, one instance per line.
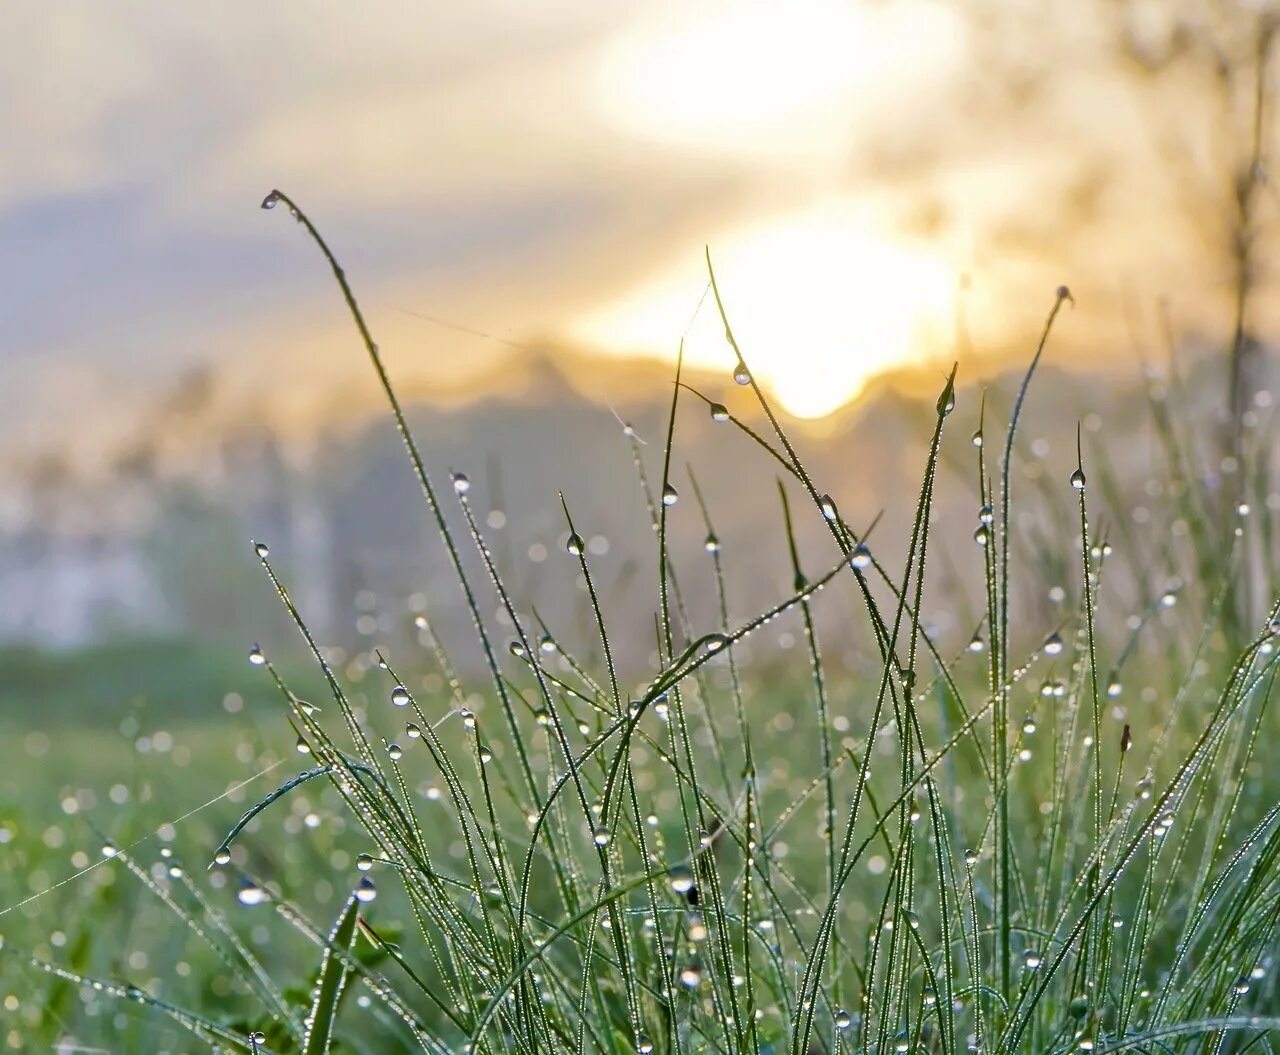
column 878, row 182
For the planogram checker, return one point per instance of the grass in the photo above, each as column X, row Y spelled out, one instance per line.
column 1051, row 839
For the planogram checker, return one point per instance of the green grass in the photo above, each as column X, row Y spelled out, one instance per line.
column 1055, row 839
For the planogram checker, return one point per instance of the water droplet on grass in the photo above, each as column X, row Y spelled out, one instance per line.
column 1077, row 480
column 252, row 894
column 1053, row 644
column 461, row 483
column 261, row 549
column 741, row 374
column 669, row 495
column 843, row 1020
column 711, row 544
column 861, row 557
column 271, row 200
column 400, row 696
column 256, row 657
column 363, row 862
column 574, row 545
column 394, row 752
column 982, row 534
column 600, row 836
column 719, row 412
column 366, row 890
column 681, row 879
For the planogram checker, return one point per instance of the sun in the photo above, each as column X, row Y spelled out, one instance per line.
column 820, row 303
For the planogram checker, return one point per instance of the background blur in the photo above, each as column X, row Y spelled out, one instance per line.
column 521, row 195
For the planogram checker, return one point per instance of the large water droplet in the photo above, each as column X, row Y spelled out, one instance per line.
column 1077, row 480
column 262, row 550
column 712, row 543
column 366, row 890
column 574, row 545
column 400, row 696
column 741, row 374
column 601, row 836
column 1053, row 644
column 256, row 656
column 271, row 200
column 681, row 879
column 861, row 557
column 843, row 1020
column 669, row 495
column 719, row 412
column 461, row 483
column 251, row 894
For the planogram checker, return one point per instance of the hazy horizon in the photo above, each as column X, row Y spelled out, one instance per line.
column 875, row 195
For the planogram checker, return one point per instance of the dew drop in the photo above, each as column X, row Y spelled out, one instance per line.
column 681, row 879
column 715, row 642
column 461, row 483
column 400, row 696
column 643, row 1044
column 574, row 545
column 982, row 534
column 970, row 858
column 691, row 976
column 719, row 412
column 843, row 1020
column 394, row 752
column 861, row 557
column 271, row 200
column 977, row 438
column 741, row 374
column 251, row 894
column 1077, row 480
column 1031, row 959
column 222, row 857
column 366, row 890
column 601, row 836
column 976, row 644
column 546, row 644
column 828, row 506
column 303, row 747
column 363, row 862
column 256, row 657
column 1053, row 644
column 712, row 543
column 412, row 731
column 669, row 495
column 1168, row 599
column 262, row 550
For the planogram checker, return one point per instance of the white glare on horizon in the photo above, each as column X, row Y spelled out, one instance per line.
column 820, row 303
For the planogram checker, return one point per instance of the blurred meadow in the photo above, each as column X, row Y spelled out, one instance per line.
column 867, row 645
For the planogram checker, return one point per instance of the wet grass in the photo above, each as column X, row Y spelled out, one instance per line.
column 1056, row 838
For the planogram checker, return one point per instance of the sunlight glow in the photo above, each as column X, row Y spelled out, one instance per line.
column 779, row 83
column 819, row 302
